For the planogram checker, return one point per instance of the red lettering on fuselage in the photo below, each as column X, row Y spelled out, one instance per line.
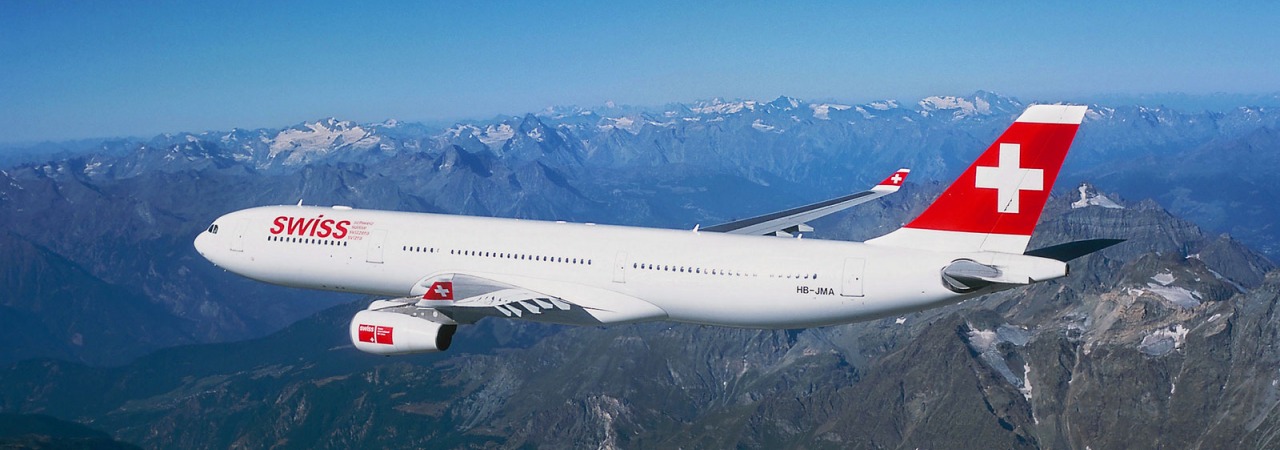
column 278, row 226
column 325, row 228
column 312, row 227
column 296, row 226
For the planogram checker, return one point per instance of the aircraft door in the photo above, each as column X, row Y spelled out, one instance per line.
column 377, row 239
column 237, row 235
column 620, row 268
column 853, row 271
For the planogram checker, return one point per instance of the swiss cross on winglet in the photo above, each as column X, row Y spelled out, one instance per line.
column 440, row 290
column 894, row 181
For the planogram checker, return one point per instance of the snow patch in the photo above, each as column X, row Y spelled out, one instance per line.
column 1096, row 112
column 760, row 125
column 884, row 105
column 91, row 169
column 496, row 134
column 960, row 107
column 460, row 129
column 718, row 106
column 1163, row 341
column 622, row 123
column 823, row 111
column 987, row 344
column 1164, row 279
column 535, row 134
column 900, row 320
column 1176, row 295
column 1026, row 383
column 982, row 340
column 1096, row 199
column 321, row 137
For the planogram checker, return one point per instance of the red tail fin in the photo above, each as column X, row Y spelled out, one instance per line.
column 996, row 202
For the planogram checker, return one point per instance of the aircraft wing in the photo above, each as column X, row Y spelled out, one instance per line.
column 466, row 298
column 792, row 221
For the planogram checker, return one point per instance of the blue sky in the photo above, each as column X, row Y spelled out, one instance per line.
column 99, row 69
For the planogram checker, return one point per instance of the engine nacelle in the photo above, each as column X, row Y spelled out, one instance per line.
column 967, row 275
column 387, row 333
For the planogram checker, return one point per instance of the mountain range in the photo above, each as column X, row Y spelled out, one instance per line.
column 136, row 335
column 1138, row 345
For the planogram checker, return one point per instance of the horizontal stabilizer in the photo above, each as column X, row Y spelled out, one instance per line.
column 1072, row 250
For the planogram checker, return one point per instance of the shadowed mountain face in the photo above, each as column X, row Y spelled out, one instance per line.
column 1140, row 344
column 34, row 431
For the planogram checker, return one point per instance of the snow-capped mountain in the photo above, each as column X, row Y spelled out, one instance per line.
column 97, row 267
column 674, row 165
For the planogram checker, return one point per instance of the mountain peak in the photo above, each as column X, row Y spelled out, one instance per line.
column 330, row 123
column 961, row 107
column 978, row 104
column 719, row 106
column 785, row 103
column 1089, row 196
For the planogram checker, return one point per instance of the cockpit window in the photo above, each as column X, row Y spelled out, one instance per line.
column 213, row 228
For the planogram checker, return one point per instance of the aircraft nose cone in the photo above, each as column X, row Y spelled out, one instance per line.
column 199, row 244
column 202, row 244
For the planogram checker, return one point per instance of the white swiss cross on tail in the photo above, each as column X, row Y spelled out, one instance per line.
column 1009, row 178
column 996, row 202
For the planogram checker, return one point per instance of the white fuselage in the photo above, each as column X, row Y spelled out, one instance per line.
column 696, row 277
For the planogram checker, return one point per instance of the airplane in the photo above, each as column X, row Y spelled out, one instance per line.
column 440, row 271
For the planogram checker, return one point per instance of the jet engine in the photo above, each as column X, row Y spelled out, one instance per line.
column 389, row 333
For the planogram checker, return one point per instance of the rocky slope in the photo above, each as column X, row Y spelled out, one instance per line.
column 121, row 214
column 1163, row 341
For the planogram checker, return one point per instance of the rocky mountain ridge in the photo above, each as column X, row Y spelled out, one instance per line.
column 1134, row 349
column 124, row 215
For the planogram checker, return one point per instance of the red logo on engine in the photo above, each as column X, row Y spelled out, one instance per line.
column 313, row 227
column 376, row 334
